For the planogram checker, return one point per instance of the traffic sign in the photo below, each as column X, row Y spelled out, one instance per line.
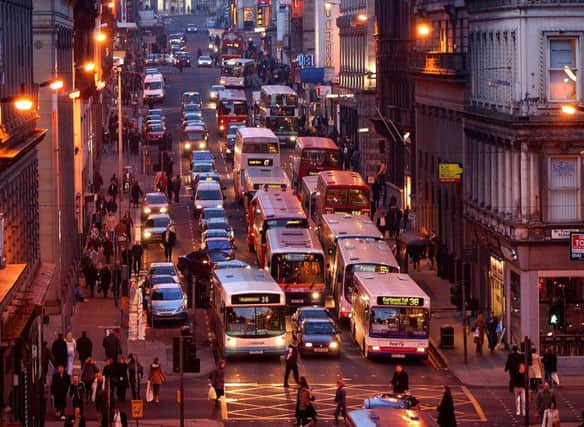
column 577, row 246
column 450, row 172
column 137, row 409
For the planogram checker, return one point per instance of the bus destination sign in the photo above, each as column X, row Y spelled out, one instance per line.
column 401, row 301
column 260, row 162
column 246, row 299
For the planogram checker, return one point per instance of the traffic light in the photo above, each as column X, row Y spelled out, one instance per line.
column 556, row 315
column 260, row 16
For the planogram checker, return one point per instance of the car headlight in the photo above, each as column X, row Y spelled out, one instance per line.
column 202, row 145
column 279, row 341
column 228, row 151
column 147, row 234
column 221, row 127
column 222, row 81
column 211, row 45
column 333, row 345
column 315, row 295
column 220, row 205
column 147, row 210
column 231, row 342
column 163, row 210
column 199, row 206
column 308, row 344
column 187, row 146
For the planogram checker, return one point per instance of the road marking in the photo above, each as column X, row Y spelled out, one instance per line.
column 475, row 403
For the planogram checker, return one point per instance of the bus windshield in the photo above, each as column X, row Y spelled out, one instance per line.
column 297, row 268
column 321, row 158
column 232, row 71
column 349, row 285
column 287, row 100
column 152, row 85
column 347, row 196
column 254, row 322
column 398, row 322
column 282, row 124
column 235, row 108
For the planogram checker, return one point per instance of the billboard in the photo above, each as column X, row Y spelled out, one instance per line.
column 577, row 246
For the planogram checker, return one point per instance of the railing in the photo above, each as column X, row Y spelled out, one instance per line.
column 563, row 344
column 482, row 5
column 439, row 63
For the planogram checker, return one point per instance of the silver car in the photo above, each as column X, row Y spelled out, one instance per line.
column 163, row 269
column 154, row 203
column 154, row 227
column 167, row 302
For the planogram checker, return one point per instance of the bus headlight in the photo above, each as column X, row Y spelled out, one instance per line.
column 202, row 145
column 375, row 348
column 333, row 345
column 163, row 210
column 315, row 295
column 279, row 341
column 221, row 127
column 187, row 146
column 308, row 344
column 421, row 350
column 147, row 210
column 231, row 342
column 147, row 234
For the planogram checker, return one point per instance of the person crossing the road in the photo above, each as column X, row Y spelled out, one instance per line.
column 400, row 381
column 291, row 360
column 168, row 240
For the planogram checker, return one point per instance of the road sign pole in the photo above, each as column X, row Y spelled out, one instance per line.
column 182, row 382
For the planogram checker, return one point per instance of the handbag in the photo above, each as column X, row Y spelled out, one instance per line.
column 149, row 392
column 555, row 378
column 212, row 395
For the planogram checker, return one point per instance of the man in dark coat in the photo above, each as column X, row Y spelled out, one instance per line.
column 77, row 393
column 291, row 361
column 106, row 279
column 91, row 278
column 116, row 282
column 512, row 365
column 84, row 347
column 400, row 380
column 59, row 351
column 112, row 346
column 59, row 387
column 137, row 252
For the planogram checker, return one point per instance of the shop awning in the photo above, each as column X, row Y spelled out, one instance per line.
column 27, row 303
column 9, row 279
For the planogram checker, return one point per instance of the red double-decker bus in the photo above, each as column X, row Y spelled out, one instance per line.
column 342, row 192
column 313, row 155
column 231, row 108
column 231, row 45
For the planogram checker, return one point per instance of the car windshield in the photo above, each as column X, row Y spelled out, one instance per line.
column 203, row 167
column 163, row 270
column 155, row 128
column 217, row 256
column 217, row 88
column 318, row 328
column 204, row 58
column 297, row 268
column 167, row 294
column 194, row 135
column 192, row 108
column 220, row 244
column 156, row 199
column 152, row 85
column 199, row 156
column 217, row 225
column 156, row 222
column 313, row 314
column 213, row 213
column 398, row 322
column 192, row 116
column 252, row 322
column 157, row 280
column 215, row 233
column 209, row 195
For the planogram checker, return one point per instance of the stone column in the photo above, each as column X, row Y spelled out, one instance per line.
column 501, row 179
column 508, row 183
column 516, row 173
column 530, row 306
column 525, row 183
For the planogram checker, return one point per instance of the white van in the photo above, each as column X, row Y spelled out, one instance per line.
column 207, row 195
column 154, row 88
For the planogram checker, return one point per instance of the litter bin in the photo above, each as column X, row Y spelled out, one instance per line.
column 446, row 336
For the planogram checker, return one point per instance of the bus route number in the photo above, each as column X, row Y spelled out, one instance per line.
column 401, row 301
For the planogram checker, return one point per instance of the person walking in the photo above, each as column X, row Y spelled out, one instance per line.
column 512, row 365
column 478, row 329
column 71, row 348
column 136, row 372
column 291, row 360
column 77, row 393
column 88, row 373
column 90, row 274
column 76, row 420
column 59, row 387
column 544, row 399
column 112, row 346
column 136, row 193
column 97, row 387
column 110, row 374
column 492, row 327
column 518, row 383
column 105, row 279
column 304, row 407
column 116, row 282
column 137, row 252
column 535, row 372
column 84, row 348
column 550, row 366
column 446, row 415
column 168, row 240
column 170, row 188
column 341, row 401
column 121, row 371
column 59, row 351
column 119, row 418
column 176, row 188
column 551, row 416
column 400, row 381
column 156, row 378
column 217, row 379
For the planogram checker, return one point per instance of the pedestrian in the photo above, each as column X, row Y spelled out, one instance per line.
column 535, row 372
column 105, row 276
column 59, row 351
column 75, row 420
column 137, row 252
column 97, row 182
column 291, row 360
column 97, row 387
column 135, row 373
column 446, row 415
column 382, row 223
column 91, row 278
column 544, row 398
column 71, row 348
column 116, row 282
column 119, row 418
column 108, row 245
column 121, row 371
column 84, row 348
column 136, row 193
column 110, row 374
column 492, row 326
column 217, row 379
column 176, row 188
column 304, row 408
column 88, row 373
column 478, row 329
column 550, row 366
column 77, row 393
column 518, row 383
column 551, row 416
column 113, row 188
column 59, row 387
column 156, row 378
column 170, row 189
column 168, row 240
column 47, row 357
column 112, row 346
column 400, row 381
column 341, row 401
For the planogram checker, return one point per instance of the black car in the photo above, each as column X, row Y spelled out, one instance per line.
column 200, row 263
column 319, row 336
column 303, row 313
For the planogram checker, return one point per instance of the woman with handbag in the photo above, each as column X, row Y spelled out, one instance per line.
column 551, row 416
column 478, row 328
column 156, row 378
column 305, row 408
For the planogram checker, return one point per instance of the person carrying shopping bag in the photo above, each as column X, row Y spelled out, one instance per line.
column 156, row 378
column 551, row 416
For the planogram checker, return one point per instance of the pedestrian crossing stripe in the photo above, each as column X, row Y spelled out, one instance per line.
column 249, row 401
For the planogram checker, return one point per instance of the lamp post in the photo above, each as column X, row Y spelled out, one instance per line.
column 120, row 138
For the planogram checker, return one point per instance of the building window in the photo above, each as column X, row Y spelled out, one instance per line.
column 564, row 189
column 562, row 69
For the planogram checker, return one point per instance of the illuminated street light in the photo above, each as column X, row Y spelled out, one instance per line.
column 56, row 84
column 100, row 37
column 89, row 67
column 362, row 17
column 423, row 30
column 111, row 4
column 23, row 103
column 74, row 94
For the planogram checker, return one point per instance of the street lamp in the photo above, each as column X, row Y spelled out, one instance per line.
column 89, row 67
column 100, row 37
column 362, row 18
column 23, row 103
column 423, row 29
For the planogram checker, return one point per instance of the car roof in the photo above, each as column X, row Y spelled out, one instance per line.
column 161, row 264
column 217, row 239
column 155, row 194
column 218, row 220
column 193, row 128
column 191, row 105
column 209, row 185
column 317, row 320
column 211, row 209
column 159, row 215
column 167, row 286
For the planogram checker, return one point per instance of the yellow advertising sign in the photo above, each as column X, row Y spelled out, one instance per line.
column 450, row 172
column 137, row 409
